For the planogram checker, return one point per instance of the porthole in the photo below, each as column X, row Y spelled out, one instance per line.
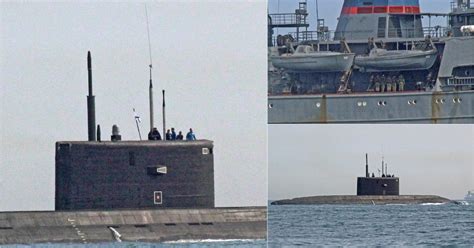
column 364, row 104
column 318, row 104
column 414, row 101
column 409, row 102
column 359, row 104
column 442, row 101
column 384, row 103
column 379, row 103
column 270, row 105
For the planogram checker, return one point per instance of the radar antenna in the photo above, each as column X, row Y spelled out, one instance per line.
column 150, row 90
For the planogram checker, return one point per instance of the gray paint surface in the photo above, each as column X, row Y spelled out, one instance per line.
column 430, row 107
column 132, row 225
column 116, row 175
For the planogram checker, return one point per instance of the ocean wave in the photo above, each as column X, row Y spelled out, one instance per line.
column 181, row 241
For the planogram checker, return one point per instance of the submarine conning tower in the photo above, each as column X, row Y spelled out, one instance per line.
column 363, row 19
column 116, row 174
column 381, row 185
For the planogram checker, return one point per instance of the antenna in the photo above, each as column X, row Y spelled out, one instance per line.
column 366, row 165
column 90, row 102
column 150, row 89
column 317, row 13
column 382, row 165
column 137, row 120
column 164, row 115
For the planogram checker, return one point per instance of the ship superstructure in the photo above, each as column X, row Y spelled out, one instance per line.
column 402, row 72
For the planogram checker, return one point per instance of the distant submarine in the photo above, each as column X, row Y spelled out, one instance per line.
column 370, row 190
column 114, row 191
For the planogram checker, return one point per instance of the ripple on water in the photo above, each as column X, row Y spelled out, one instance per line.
column 362, row 225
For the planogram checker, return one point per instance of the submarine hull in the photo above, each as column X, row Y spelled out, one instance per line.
column 159, row 225
column 363, row 199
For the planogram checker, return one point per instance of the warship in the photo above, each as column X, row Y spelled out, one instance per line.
column 386, row 67
column 470, row 196
column 150, row 191
column 374, row 190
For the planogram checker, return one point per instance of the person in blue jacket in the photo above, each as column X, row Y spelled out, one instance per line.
column 173, row 134
column 190, row 135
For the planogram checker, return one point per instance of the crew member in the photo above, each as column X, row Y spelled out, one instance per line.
column 190, row 135
column 173, row 134
column 154, row 134
column 168, row 135
column 180, row 136
column 401, row 82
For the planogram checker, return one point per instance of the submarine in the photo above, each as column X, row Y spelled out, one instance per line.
column 132, row 191
column 380, row 190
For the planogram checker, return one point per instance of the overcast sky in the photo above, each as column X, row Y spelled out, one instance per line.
column 307, row 160
column 329, row 10
column 209, row 56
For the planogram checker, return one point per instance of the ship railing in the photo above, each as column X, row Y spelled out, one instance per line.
column 463, row 7
column 434, row 32
column 287, row 19
column 312, row 35
column 460, row 81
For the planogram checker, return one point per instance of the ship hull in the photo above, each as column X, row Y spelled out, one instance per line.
column 413, row 107
column 132, row 225
column 325, row 62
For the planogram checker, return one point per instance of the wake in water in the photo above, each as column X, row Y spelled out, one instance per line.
column 182, row 241
column 432, row 204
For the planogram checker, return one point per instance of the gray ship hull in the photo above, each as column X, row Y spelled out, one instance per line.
column 415, row 107
column 132, row 225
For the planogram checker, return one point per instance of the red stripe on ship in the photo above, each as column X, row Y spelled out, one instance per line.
column 381, row 10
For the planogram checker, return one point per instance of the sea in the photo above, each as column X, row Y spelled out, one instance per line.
column 424, row 225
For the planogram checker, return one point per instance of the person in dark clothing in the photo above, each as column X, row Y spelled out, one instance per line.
column 154, row 134
column 168, row 135
column 173, row 134
column 190, row 135
column 180, row 136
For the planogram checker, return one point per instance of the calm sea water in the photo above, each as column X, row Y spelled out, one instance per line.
column 369, row 225
column 178, row 244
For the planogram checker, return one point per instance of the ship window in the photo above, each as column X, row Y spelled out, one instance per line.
column 368, row 3
column 205, row 150
column 381, row 27
column 394, row 28
column 170, row 224
column 194, row 224
column 207, row 223
column 140, row 226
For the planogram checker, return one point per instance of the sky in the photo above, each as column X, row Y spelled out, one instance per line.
column 308, row 160
column 215, row 83
column 329, row 10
